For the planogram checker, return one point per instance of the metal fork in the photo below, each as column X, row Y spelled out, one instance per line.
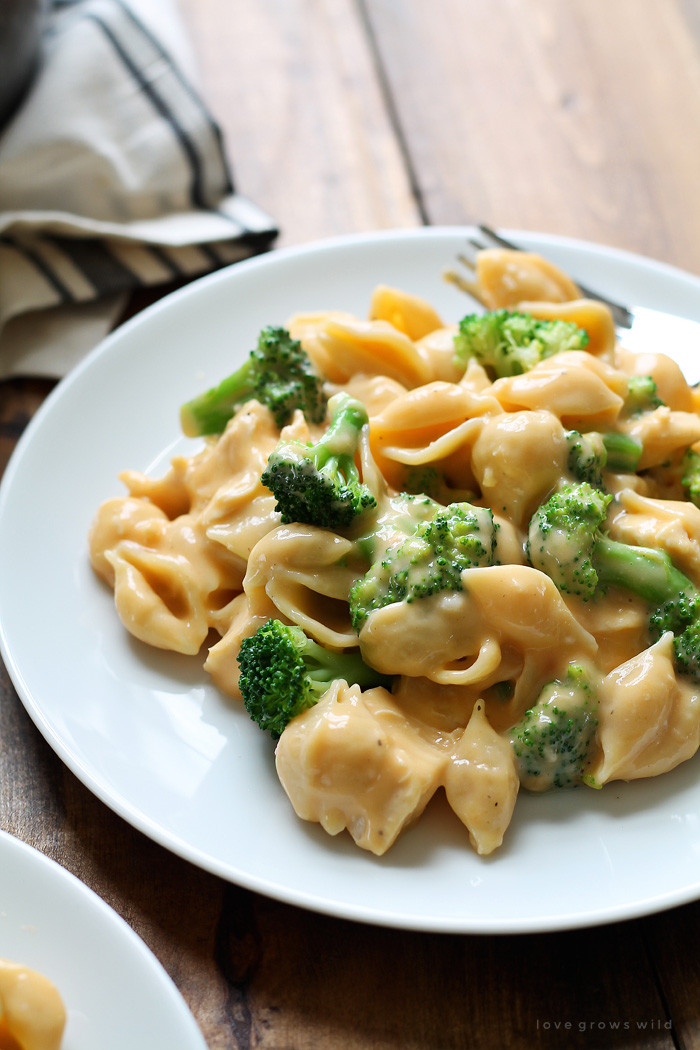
column 639, row 328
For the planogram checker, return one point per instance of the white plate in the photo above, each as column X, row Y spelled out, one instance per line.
column 115, row 991
column 151, row 737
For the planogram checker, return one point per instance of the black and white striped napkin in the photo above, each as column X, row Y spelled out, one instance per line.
column 113, row 175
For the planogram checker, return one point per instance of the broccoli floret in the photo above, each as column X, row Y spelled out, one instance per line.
column 589, row 455
column 429, row 561
column 395, row 519
column 283, row 672
column 319, row 483
column 680, row 614
column 566, row 541
column 563, row 533
column 586, row 457
column 508, row 343
column 553, row 740
column 691, row 475
column 642, row 396
column 278, row 373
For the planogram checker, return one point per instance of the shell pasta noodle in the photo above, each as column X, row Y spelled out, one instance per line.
column 32, row 1014
column 475, row 572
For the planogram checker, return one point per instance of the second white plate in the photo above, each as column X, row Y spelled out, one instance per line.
column 115, row 991
column 149, row 734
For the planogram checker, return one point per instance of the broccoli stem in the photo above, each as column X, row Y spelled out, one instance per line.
column 208, row 413
column 622, row 452
column 324, row 666
column 340, row 439
column 673, row 599
column 645, row 571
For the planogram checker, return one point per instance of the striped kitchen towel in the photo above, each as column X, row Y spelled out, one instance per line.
column 113, row 175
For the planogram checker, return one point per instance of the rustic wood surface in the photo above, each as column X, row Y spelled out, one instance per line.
column 578, row 118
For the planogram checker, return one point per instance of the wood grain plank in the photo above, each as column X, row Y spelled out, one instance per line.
column 313, row 981
column 294, row 89
column 672, row 940
column 541, row 115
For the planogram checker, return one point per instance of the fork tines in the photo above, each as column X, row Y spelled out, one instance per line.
column 489, row 238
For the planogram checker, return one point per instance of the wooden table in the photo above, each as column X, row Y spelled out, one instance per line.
column 579, row 118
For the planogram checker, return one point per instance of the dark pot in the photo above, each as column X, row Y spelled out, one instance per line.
column 21, row 24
